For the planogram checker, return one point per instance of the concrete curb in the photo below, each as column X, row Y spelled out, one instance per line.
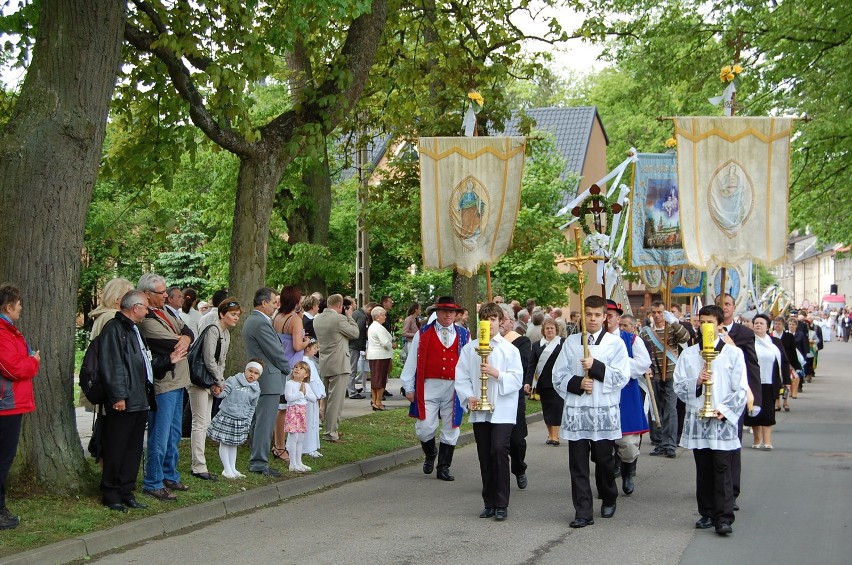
column 137, row 531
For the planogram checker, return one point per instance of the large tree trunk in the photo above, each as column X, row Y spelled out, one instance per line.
column 309, row 223
column 49, row 156
column 256, row 186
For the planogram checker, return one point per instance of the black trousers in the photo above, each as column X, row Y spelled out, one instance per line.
column 736, row 459
column 492, row 447
column 518, row 441
column 602, row 454
column 714, row 490
column 121, row 449
column 10, row 432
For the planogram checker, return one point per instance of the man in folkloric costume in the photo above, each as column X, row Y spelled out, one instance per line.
column 633, row 420
column 428, row 379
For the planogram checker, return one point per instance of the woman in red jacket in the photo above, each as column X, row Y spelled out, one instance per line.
column 18, row 365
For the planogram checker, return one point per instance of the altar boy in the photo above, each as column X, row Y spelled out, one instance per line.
column 591, row 419
column 713, row 440
column 492, row 430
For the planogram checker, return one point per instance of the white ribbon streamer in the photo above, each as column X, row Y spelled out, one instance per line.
column 469, row 123
column 726, row 97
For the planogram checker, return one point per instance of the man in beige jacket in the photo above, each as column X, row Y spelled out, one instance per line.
column 164, row 334
column 334, row 327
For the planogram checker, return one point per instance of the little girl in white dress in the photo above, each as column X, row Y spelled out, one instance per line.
column 298, row 393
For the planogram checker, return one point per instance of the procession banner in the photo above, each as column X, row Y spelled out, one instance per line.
column 655, row 232
column 736, row 284
column 470, row 194
column 683, row 280
column 733, row 179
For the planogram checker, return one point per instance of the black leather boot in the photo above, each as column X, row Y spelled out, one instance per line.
column 628, row 471
column 445, row 459
column 431, row 453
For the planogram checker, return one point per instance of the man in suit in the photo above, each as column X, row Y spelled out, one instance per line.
column 334, row 327
column 262, row 342
column 744, row 339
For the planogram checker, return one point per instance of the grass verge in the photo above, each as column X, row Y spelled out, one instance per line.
column 48, row 518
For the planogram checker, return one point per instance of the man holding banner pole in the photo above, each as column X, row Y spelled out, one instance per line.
column 665, row 334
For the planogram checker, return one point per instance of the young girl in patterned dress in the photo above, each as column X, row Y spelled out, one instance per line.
column 230, row 426
column 298, row 393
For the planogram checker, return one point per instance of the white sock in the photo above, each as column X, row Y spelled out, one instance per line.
column 225, row 457
column 233, row 455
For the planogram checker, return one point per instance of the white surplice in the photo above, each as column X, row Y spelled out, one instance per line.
column 502, row 391
column 729, row 397
column 594, row 416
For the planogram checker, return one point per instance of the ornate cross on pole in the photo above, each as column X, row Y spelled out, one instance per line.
column 577, row 262
column 597, row 205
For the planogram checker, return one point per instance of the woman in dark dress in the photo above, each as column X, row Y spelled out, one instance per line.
column 538, row 378
column 518, row 439
column 779, row 330
column 800, row 340
column 773, row 364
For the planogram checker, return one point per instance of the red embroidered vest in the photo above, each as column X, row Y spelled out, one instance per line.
column 440, row 362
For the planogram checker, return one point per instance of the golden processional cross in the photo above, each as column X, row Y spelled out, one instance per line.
column 577, row 262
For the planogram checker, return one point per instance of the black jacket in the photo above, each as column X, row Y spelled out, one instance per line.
column 744, row 339
column 121, row 366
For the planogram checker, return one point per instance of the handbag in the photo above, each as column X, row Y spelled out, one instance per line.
column 199, row 375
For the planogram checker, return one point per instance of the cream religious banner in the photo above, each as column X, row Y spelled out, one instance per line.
column 470, row 194
column 733, row 179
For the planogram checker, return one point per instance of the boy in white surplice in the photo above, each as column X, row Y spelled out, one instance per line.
column 591, row 419
column 713, row 440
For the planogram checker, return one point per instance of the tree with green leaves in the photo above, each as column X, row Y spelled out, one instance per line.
column 199, row 61
column 50, row 149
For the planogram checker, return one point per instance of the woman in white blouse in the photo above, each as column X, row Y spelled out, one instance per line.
column 379, row 355
column 773, row 364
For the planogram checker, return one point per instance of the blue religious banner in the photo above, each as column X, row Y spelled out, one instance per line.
column 655, row 232
column 688, row 281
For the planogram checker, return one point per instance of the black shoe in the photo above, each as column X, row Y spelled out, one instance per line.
column 117, row 506
column 658, row 451
column 267, row 472
column 723, row 529
column 501, row 514
column 8, row 521
column 172, row 485
column 205, row 476
column 487, row 513
column 736, row 506
column 581, row 522
column 670, row 453
column 628, row 471
column 706, row 522
column 445, row 459
column 386, row 394
column 430, row 452
column 522, row 481
column 607, row 511
column 135, row 504
column 357, row 397
column 359, row 390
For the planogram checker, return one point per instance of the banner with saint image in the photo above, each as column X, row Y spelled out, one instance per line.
column 470, row 195
column 733, row 175
column 655, row 231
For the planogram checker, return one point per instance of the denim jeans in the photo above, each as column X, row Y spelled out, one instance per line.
column 164, row 431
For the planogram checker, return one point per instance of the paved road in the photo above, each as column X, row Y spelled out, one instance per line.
column 795, row 508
